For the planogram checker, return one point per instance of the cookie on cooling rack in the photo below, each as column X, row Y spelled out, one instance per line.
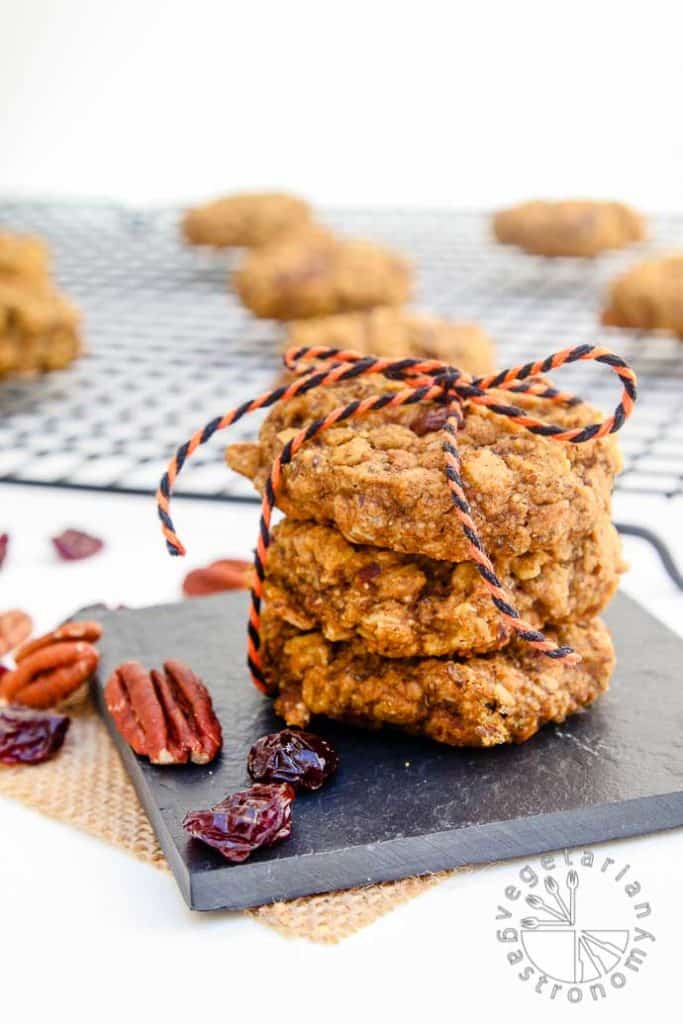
column 22, row 258
column 570, row 227
column 39, row 328
column 403, row 606
column 479, row 701
column 649, row 296
column 314, row 273
column 245, row 219
column 388, row 331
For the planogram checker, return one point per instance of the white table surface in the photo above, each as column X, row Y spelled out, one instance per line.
column 105, row 929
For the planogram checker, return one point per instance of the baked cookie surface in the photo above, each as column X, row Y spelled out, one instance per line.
column 314, row 273
column 402, row 606
column 504, row 697
column 39, row 329
column 22, row 258
column 649, row 296
column 388, row 331
column 246, row 219
column 380, row 479
column 571, row 227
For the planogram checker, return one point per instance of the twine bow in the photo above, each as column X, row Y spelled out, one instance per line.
column 426, row 381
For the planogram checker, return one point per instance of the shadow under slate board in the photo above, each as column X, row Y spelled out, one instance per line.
column 401, row 805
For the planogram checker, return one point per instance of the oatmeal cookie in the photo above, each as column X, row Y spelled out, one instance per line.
column 39, row 329
column 403, row 606
column 503, row 697
column 380, row 479
column 246, row 219
column 387, row 331
column 648, row 296
column 570, row 227
column 315, row 273
column 22, row 258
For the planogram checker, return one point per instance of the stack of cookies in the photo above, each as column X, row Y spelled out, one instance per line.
column 39, row 328
column 373, row 613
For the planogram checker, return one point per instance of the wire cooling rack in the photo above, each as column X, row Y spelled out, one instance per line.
column 168, row 346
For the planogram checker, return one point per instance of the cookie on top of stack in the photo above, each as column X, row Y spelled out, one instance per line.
column 374, row 613
column 39, row 327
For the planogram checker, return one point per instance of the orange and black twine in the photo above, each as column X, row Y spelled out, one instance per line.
column 426, row 381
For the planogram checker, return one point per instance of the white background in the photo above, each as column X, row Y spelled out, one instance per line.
column 350, row 103
column 400, row 104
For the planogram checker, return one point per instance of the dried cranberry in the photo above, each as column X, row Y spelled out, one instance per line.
column 3, row 670
column 429, row 420
column 73, row 544
column 240, row 824
column 4, row 544
column 300, row 758
column 29, row 737
column 369, row 572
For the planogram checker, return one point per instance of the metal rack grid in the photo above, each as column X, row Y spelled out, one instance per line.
column 169, row 347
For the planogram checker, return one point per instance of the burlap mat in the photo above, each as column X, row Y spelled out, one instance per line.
column 87, row 786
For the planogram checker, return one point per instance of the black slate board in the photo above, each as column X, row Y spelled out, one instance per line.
column 400, row 805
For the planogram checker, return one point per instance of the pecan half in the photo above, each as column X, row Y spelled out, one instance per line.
column 224, row 574
column 90, row 631
column 166, row 716
column 50, row 675
column 15, row 627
